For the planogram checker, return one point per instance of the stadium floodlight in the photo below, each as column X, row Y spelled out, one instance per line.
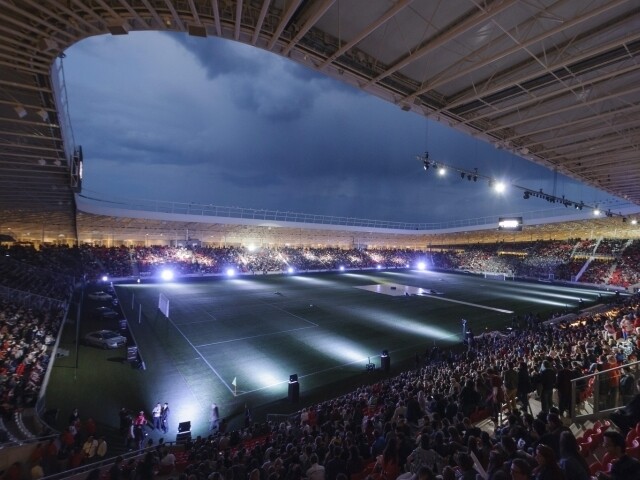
column 342, row 268
column 378, row 267
column 441, row 170
column 105, row 278
column 634, row 222
column 500, row 187
column 166, row 275
column 230, row 272
column 290, row 270
column 422, row 266
column 596, row 211
column 252, row 248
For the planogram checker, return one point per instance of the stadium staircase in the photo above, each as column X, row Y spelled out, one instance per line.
column 575, row 249
column 612, row 269
column 135, row 270
column 584, row 268
column 595, row 247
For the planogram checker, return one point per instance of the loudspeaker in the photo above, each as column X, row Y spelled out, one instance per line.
column 385, row 362
column 184, row 427
column 183, row 437
column 294, row 392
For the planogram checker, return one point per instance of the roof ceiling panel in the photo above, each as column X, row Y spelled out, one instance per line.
column 548, row 75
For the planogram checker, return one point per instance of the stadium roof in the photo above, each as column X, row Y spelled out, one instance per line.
column 557, row 82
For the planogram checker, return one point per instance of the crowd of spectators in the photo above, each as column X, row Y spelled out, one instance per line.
column 373, row 431
column 26, row 336
column 606, row 262
column 49, row 272
column 421, row 424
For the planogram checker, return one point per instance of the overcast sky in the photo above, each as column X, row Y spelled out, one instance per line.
column 171, row 117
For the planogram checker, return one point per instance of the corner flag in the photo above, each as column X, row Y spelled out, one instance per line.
column 234, row 381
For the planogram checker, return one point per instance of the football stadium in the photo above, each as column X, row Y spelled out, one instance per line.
column 430, row 321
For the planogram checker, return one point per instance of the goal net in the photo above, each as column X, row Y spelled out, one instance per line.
column 495, row 276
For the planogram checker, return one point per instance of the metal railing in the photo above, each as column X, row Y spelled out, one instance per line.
column 592, row 396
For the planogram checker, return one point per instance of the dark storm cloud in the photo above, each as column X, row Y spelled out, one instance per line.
column 218, row 57
column 262, row 83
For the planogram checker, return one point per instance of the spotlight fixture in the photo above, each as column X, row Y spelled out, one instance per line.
column 21, row 111
column 500, row 187
column 43, row 114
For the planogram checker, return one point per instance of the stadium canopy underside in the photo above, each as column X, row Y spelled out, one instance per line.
column 556, row 82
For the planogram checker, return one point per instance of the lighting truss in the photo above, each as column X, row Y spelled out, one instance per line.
column 474, row 175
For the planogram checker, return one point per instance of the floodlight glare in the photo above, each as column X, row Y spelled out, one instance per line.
column 166, row 275
column 230, row 272
column 378, row 267
column 441, row 171
column 500, row 187
column 105, row 278
column 290, row 269
column 251, row 248
column 341, row 268
column 634, row 222
column 596, row 211
column 421, row 266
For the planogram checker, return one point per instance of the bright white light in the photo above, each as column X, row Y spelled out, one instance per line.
column 105, row 278
column 500, row 187
column 230, row 272
column 166, row 275
column 341, row 268
column 421, row 266
column 509, row 224
column 634, row 222
column 596, row 212
column 441, row 171
column 290, row 269
column 251, row 248
column 378, row 267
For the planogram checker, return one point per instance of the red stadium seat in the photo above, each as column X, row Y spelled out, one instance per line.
column 586, row 446
column 597, row 438
column 596, row 467
column 634, row 450
column 608, row 458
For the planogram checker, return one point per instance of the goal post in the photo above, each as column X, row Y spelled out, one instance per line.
column 163, row 304
column 495, row 275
